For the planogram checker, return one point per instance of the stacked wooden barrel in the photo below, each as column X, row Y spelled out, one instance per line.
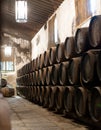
column 67, row 77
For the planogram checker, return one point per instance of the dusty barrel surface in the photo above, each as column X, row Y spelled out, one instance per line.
column 74, row 71
column 34, row 93
column 52, row 96
column 46, row 96
column 46, row 58
column 59, row 98
column 82, row 40
column 68, row 98
column 37, row 63
column 95, row 104
column 3, row 83
column 69, row 48
column 60, row 53
column 52, row 55
column 95, row 31
column 55, row 74
column 98, row 66
column 34, row 78
column 88, row 68
column 80, row 101
column 41, row 60
column 7, row 92
column 63, row 73
column 43, row 81
column 48, row 75
column 42, row 95
column 33, row 64
column 38, row 89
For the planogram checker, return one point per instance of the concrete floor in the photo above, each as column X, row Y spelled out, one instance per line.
column 28, row 116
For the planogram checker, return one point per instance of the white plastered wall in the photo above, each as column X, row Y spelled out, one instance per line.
column 65, row 15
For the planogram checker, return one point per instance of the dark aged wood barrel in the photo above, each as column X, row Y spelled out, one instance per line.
column 69, row 48
column 52, row 96
column 60, row 53
column 34, row 93
column 82, row 40
column 42, row 95
column 52, row 55
column 30, row 93
column 27, row 88
column 95, row 31
column 69, row 98
column 34, row 78
column 48, row 75
column 98, row 66
column 46, row 97
column 63, row 73
column 46, row 58
column 38, row 94
column 55, row 74
column 7, row 92
column 38, row 77
column 95, row 104
column 43, row 81
column 80, row 101
column 31, row 78
column 37, row 63
column 3, row 83
column 33, row 64
column 59, row 98
column 74, row 71
column 41, row 61
column 88, row 68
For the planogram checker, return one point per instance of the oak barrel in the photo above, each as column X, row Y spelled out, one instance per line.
column 55, row 74
column 88, row 68
column 63, row 73
column 74, row 71
column 69, row 48
column 82, row 40
column 68, row 98
column 52, row 55
column 80, row 101
column 95, row 31
column 95, row 104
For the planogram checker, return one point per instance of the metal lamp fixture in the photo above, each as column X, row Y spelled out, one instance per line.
column 21, row 11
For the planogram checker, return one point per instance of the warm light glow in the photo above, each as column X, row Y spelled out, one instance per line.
column 93, row 6
column 8, row 51
column 21, row 11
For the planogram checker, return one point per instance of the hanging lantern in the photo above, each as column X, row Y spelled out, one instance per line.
column 21, row 11
column 8, row 51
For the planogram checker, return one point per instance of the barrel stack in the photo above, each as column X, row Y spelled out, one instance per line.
column 67, row 78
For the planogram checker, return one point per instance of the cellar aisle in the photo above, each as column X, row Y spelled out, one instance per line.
column 28, row 116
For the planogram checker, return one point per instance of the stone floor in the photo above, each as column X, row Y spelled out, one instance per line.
column 29, row 116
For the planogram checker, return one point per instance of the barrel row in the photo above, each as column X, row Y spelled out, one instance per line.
column 79, row 75
column 55, row 55
column 66, row 99
column 85, row 71
column 85, row 39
